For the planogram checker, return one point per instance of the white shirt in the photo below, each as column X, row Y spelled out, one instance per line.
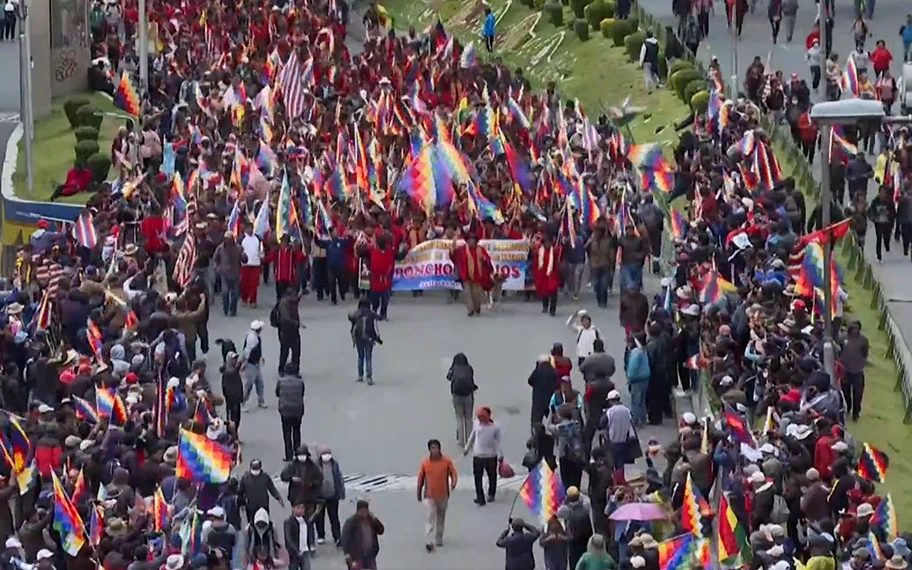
column 251, row 247
column 585, row 337
column 302, row 534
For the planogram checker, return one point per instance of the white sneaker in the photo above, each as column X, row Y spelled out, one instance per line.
column 321, row 541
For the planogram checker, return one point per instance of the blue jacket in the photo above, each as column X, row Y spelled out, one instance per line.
column 338, row 481
column 488, row 29
column 906, row 33
column 335, row 251
column 637, row 366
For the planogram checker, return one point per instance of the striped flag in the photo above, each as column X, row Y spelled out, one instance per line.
column 186, row 260
column 292, row 80
column 84, row 230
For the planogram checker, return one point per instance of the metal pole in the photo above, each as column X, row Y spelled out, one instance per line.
column 25, row 92
column 829, row 354
column 143, row 48
column 734, row 31
column 822, row 17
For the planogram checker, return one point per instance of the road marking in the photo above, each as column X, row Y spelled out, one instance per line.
column 392, row 483
column 9, row 117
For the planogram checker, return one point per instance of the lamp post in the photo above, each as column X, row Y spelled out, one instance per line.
column 25, row 89
column 143, row 49
column 826, row 116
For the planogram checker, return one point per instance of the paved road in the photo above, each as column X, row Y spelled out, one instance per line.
column 896, row 270
column 9, row 71
column 379, row 433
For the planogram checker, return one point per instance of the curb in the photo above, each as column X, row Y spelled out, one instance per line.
column 9, row 163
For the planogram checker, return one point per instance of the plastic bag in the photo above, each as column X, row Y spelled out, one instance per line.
column 504, row 470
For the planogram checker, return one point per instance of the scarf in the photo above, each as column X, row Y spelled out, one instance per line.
column 473, row 264
column 541, row 258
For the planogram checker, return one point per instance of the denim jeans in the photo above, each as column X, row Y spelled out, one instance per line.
column 365, row 358
column 602, row 280
column 631, row 276
column 379, row 302
column 253, row 378
column 638, row 401
column 230, row 291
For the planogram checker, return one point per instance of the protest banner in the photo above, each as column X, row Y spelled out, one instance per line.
column 428, row 265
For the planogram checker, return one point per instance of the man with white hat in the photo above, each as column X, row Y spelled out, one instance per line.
column 253, row 357
column 45, row 559
column 618, row 425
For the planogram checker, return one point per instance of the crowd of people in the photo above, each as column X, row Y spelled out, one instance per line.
column 266, row 151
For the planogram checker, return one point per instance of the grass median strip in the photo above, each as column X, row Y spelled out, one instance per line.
column 52, row 150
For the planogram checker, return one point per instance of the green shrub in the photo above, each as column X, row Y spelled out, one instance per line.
column 578, row 6
column 581, row 27
column 70, row 107
column 681, row 79
column 86, row 134
column 700, row 102
column 619, row 31
column 88, row 118
column 693, row 88
column 554, row 12
column 605, row 26
column 610, row 8
column 594, row 13
column 85, row 149
column 679, row 64
column 538, row 4
column 663, row 65
column 633, row 43
column 99, row 164
column 634, row 23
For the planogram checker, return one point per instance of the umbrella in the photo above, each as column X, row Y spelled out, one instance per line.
column 639, row 512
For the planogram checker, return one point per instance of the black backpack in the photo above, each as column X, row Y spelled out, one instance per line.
column 274, row 316
column 361, row 328
column 579, row 524
column 462, row 381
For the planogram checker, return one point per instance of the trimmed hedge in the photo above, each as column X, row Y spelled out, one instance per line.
column 581, row 27
column 70, row 109
column 538, row 4
column 679, row 64
column 680, row 80
column 693, row 88
column 595, row 13
column 663, row 65
column 620, row 30
column 88, row 118
column 633, row 43
column 700, row 102
column 554, row 12
column 86, row 134
column 605, row 26
column 99, row 164
column 610, row 9
column 578, row 6
column 85, row 149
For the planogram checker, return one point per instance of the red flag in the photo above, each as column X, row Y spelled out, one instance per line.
column 831, row 232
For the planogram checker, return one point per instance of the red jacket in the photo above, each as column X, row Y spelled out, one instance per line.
column 285, row 260
column 546, row 270
column 482, row 261
column 880, row 59
column 824, row 456
column 47, row 458
column 381, row 262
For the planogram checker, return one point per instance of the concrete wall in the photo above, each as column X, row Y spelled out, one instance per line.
column 60, row 50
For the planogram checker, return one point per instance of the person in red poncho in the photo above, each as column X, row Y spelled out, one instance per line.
column 546, row 273
column 381, row 257
column 474, row 268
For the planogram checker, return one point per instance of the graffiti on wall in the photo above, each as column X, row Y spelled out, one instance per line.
column 66, row 65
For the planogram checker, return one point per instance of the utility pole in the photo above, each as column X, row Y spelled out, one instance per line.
column 143, row 49
column 734, row 33
column 25, row 90
column 823, row 16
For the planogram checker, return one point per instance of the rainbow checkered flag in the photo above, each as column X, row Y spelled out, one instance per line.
column 543, row 492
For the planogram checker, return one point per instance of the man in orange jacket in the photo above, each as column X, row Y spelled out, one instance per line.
column 436, row 478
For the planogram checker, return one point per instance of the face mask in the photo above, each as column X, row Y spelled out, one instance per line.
column 326, row 457
column 255, row 472
column 302, row 458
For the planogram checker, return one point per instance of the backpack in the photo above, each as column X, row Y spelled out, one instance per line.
column 579, row 525
column 361, row 329
column 461, row 382
column 274, row 316
column 780, row 512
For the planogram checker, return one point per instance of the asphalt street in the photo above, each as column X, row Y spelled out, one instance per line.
column 9, row 68
column 379, row 433
column 756, row 40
